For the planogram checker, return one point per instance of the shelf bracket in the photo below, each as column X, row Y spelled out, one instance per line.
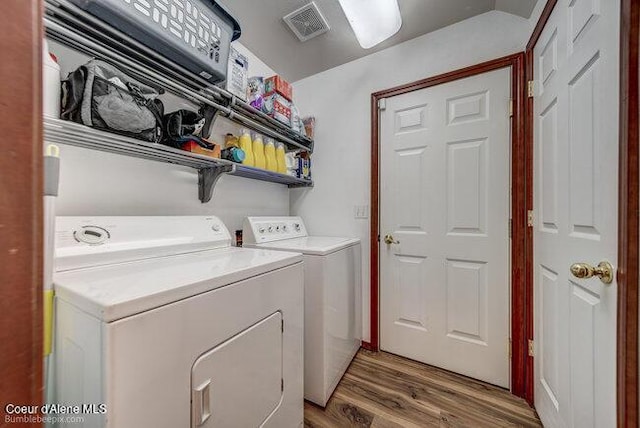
column 207, row 178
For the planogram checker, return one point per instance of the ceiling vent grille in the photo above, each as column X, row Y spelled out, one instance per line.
column 307, row 22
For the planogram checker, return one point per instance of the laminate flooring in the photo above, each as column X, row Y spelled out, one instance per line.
column 382, row 390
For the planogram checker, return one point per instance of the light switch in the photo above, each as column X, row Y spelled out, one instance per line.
column 361, row 211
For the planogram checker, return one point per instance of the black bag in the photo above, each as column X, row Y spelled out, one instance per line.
column 182, row 126
column 99, row 95
column 181, row 123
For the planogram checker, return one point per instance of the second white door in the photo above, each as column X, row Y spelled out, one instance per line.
column 444, row 201
column 575, row 136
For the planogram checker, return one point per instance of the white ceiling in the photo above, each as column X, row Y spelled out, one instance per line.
column 269, row 38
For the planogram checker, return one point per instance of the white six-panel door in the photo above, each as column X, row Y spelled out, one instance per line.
column 575, row 200
column 445, row 197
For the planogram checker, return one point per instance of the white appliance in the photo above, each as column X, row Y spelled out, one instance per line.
column 332, row 302
column 165, row 323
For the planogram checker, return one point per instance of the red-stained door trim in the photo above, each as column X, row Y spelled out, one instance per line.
column 627, row 337
column 21, row 357
column 520, row 310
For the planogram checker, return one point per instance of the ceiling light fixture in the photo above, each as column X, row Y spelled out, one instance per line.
column 373, row 21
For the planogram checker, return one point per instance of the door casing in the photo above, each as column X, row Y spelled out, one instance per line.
column 629, row 191
column 521, row 311
column 21, row 246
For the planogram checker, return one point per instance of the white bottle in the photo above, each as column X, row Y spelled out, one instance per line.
column 292, row 163
column 50, row 83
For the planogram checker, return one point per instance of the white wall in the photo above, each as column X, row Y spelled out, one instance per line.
column 99, row 183
column 340, row 100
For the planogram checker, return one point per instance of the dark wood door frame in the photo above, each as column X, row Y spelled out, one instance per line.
column 520, row 308
column 627, row 337
column 627, row 269
column 21, row 357
column 542, row 21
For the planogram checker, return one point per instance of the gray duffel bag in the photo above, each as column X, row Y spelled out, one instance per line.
column 99, row 95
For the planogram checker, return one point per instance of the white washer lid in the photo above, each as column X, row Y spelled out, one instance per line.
column 117, row 291
column 314, row 245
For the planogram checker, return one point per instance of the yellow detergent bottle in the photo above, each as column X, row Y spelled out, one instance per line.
column 270, row 155
column 245, row 145
column 280, row 158
column 258, row 151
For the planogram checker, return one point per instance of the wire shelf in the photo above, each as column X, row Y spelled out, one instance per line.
column 273, row 177
column 74, row 134
column 209, row 169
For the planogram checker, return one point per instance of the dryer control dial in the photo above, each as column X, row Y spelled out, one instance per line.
column 91, row 235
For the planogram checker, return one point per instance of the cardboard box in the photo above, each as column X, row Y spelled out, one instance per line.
column 276, row 84
column 279, row 108
column 194, row 147
column 237, row 72
column 304, row 168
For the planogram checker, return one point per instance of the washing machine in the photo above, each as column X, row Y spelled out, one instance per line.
column 160, row 322
column 332, row 297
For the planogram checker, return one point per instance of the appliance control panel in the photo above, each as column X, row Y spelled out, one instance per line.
column 257, row 230
column 92, row 241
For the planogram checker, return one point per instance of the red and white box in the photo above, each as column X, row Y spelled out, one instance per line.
column 278, row 107
column 276, row 84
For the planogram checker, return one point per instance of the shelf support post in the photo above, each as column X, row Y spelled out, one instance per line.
column 207, row 179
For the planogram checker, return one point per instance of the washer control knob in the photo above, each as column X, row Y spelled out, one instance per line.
column 270, row 229
column 297, row 227
column 261, row 230
column 215, row 227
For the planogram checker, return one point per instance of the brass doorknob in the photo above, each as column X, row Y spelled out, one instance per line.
column 388, row 239
column 604, row 271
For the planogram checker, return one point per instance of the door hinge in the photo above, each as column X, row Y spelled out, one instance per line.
column 510, row 228
column 511, row 108
column 282, row 326
column 281, row 385
column 530, row 218
column 530, row 347
column 530, row 89
column 382, row 103
column 509, row 345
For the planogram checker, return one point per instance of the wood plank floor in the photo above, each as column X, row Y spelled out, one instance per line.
column 381, row 390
